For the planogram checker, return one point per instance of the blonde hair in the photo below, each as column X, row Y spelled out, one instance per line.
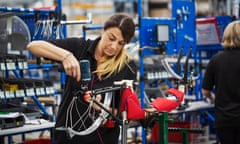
column 231, row 36
column 115, row 64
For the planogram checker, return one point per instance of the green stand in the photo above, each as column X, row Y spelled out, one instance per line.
column 163, row 130
column 184, row 135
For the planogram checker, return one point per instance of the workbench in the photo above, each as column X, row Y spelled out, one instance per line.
column 163, row 120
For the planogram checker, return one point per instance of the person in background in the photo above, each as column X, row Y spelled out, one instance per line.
column 221, row 85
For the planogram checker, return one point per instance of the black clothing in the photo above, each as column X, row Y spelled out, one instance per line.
column 223, row 72
column 229, row 135
column 84, row 49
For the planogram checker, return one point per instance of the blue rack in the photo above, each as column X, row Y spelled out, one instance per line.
column 182, row 35
column 31, row 17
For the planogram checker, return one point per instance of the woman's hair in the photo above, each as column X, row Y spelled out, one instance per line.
column 124, row 23
column 231, row 36
column 115, row 64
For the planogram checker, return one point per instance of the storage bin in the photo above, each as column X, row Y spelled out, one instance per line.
column 38, row 141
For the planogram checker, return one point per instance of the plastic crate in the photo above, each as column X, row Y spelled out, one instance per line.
column 177, row 136
column 38, row 141
column 172, row 136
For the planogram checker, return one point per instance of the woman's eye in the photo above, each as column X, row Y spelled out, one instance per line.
column 111, row 39
column 122, row 43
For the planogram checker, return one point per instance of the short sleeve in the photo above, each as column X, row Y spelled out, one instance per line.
column 208, row 79
column 74, row 45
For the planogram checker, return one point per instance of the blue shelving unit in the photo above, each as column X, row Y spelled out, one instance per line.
column 32, row 19
column 181, row 35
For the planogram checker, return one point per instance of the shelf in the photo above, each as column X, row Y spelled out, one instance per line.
column 33, row 126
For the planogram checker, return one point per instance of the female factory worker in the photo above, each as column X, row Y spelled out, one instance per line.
column 223, row 75
column 109, row 62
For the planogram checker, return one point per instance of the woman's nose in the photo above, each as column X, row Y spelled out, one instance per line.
column 114, row 45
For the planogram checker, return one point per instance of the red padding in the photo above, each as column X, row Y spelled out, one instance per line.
column 134, row 111
column 166, row 105
column 131, row 104
column 109, row 124
column 125, row 94
column 177, row 93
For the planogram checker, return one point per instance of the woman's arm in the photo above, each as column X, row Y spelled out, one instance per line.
column 47, row 50
column 50, row 51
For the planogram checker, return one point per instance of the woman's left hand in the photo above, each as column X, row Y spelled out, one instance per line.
column 87, row 97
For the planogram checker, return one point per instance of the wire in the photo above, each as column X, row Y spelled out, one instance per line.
column 100, row 137
column 91, row 88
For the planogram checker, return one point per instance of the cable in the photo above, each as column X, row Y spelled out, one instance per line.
column 179, row 60
column 100, row 137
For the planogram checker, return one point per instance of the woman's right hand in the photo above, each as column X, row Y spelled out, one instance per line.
column 71, row 66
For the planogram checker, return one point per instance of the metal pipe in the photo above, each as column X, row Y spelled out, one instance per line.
column 236, row 8
column 88, row 21
column 76, row 22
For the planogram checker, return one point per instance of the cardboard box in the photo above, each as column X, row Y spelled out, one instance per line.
column 161, row 12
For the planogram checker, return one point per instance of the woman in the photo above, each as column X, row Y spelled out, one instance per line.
column 223, row 76
column 109, row 62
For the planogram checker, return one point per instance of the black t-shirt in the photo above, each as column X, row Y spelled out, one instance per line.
column 84, row 49
column 223, row 75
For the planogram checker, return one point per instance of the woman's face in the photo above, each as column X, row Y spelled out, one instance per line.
column 112, row 42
